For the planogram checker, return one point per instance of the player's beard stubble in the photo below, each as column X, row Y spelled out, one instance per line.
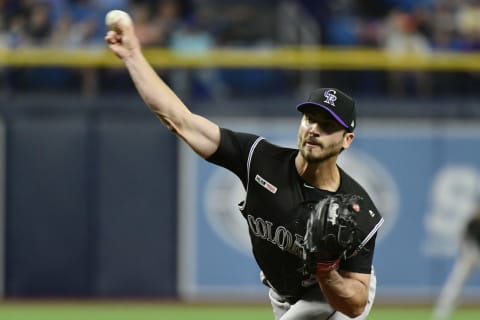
column 319, row 152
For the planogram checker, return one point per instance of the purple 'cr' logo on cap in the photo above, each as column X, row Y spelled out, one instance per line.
column 330, row 97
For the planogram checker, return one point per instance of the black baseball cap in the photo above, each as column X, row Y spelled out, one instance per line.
column 340, row 105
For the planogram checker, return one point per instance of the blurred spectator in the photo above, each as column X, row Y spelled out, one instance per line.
column 39, row 24
column 443, row 22
column 168, row 18
column 442, row 16
column 192, row 39
column 154, row 25
column 237, row 28
column 467, row 262
column 468, row 23
column 343, row 24
column 88, row 18
column 403, row 38
column 444, row 38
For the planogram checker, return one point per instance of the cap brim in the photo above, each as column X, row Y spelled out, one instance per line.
column 302, row 107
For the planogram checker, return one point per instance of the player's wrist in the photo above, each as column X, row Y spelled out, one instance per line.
column 326, row 266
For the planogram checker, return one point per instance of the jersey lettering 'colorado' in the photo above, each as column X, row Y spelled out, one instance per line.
column 281, row 236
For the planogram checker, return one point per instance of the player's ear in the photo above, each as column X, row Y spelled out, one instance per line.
column 347, row 139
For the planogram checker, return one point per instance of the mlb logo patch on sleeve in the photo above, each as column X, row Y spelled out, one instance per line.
column 267, row 185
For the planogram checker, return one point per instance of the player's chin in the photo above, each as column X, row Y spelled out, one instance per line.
column 312, row 148
column 309, row 155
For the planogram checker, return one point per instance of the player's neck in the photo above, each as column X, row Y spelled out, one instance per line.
column 324, row 175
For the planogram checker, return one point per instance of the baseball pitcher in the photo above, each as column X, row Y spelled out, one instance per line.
column 312, row 226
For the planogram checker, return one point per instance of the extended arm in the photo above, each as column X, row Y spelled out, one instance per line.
column 202, row 135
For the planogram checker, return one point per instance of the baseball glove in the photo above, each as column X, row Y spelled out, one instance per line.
column 331, row 232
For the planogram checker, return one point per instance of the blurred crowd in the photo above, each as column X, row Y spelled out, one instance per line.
column 434, row 24
column 420, row 26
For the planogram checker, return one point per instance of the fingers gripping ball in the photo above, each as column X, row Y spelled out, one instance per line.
column 331, row 232
column 114, row 17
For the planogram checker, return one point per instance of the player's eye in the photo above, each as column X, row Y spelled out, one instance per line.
column 329, row 126
column 308, row 118
column 324, row 121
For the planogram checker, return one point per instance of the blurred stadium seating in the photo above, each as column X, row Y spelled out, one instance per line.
column 414, row 48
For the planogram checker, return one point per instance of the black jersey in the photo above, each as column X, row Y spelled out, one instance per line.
column 274, row 192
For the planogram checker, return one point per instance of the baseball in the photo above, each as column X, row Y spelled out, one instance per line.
column 114, row 16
